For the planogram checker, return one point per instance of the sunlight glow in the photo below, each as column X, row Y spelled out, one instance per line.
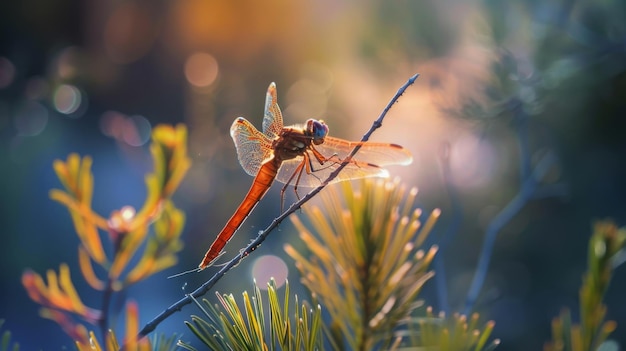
column 127, row 212
column 472, row 162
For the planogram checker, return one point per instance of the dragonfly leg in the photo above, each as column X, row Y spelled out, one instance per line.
column 323, row 161
column 298, row 171
column 334, row 158
column 305, row 165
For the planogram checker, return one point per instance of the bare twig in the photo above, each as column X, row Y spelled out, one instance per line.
column 204, row 288
column 529, row 190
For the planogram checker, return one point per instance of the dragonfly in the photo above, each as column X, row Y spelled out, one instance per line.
column 298, row 155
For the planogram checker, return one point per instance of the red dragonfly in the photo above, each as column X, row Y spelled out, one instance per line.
column 299, row 156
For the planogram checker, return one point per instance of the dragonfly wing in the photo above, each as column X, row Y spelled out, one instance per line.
column 272, row 117
column 380, row 154
column 253, row 147
column 319, row 173
column 367, row 162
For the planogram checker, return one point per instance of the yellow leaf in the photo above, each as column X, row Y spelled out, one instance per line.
column 175, row 156
column 60, row 168
column 132, row 323
column 86, row 269
column 142, row 269
column 86, row 181
column 164, row 263
column 73, row 165
column 111, row 341
column 151, row 206
column 130, row 244
column 35, row 286
column 69, row 291
column 54, row 292
column 68, row 288
column 94, row 341
column 76, row 331
column 132, row 329
column 86, row 224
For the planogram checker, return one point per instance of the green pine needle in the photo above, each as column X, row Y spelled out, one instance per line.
column 365, row 245
column 229, row 327
column 5, row 342
column 606, row 245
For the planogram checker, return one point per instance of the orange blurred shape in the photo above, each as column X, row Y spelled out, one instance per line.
column 59, row 294
column 234, row 29
column 76, row 331
column 132, row 329
column 129, row 32
column 201, row 69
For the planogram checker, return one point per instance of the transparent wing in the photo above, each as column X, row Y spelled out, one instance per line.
column 272, row 117
column 253, row 147
column 368, row 162
column 381, row 154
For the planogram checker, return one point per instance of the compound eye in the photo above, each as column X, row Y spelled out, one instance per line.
column 317, row 129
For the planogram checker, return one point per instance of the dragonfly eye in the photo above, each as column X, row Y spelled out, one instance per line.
column 316, row 129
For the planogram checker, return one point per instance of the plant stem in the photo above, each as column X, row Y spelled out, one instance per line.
column 106, row 304
column 527, row 191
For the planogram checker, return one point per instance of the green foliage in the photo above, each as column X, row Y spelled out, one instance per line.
column 5, row 344
column 162, row 343
column 127, row 231
column 234, row 329
column 606, row 244
column 367, row 251
column 442, row 333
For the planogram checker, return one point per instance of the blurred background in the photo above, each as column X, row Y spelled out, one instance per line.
column 508, row 91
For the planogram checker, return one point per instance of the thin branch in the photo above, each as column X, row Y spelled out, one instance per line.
column 204, row 288
column 526, row 193
column 103, row 323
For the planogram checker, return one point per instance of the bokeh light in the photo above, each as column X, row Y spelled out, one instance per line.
column 134, row 130
column 67, row 99
column 112, row 124
column 201, row 69
column 266, row 267
column 137, row 130
column 67, row 63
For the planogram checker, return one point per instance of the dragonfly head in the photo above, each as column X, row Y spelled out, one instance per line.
column 317, row 130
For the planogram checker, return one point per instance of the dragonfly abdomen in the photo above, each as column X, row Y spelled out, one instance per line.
column 261, row 184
